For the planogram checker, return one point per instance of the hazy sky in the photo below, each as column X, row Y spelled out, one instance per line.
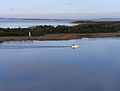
column 63, row 8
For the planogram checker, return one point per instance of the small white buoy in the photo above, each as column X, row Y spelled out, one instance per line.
column 75, row 46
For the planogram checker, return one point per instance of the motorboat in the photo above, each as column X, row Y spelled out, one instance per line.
column 75, row 46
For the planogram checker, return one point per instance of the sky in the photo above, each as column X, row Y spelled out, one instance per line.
column 59, row 8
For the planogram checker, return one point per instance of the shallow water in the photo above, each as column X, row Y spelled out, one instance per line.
column 95, row 66
column 15, row 23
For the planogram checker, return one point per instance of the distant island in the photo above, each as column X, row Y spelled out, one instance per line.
column 95, row 21
column 83, row 29
column 36, row 19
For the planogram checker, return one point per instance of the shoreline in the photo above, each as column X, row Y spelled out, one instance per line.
column 50, row 37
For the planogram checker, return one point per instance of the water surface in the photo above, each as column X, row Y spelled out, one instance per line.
column 95, row 66
column 15, row 23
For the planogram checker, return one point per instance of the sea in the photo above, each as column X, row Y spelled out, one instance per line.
column 25, row 23
column 33, row 66
column 55, row 65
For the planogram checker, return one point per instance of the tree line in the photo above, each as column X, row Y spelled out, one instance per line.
column 81, row 28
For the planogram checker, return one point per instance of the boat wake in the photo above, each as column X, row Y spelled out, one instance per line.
column 29, row 47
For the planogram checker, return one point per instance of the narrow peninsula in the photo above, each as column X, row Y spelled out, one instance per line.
column 84, row 29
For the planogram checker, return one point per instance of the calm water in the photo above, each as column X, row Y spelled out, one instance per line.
column 95, row 66
column 19, row 22
column 15, row 23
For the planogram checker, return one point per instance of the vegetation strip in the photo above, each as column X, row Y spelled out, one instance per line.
column 84, row 30
column 59, row 36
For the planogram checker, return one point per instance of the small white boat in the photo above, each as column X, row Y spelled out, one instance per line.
column 75, row 46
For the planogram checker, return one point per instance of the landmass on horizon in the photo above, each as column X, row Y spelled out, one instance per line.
column 83, row 29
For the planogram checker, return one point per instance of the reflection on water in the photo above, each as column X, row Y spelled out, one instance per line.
column 94, row 66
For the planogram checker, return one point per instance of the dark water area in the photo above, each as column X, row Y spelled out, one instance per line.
column 95, row 66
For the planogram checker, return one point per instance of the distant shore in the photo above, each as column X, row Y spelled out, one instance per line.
column 93, row 21
column 51, row 37
column 88, row 29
